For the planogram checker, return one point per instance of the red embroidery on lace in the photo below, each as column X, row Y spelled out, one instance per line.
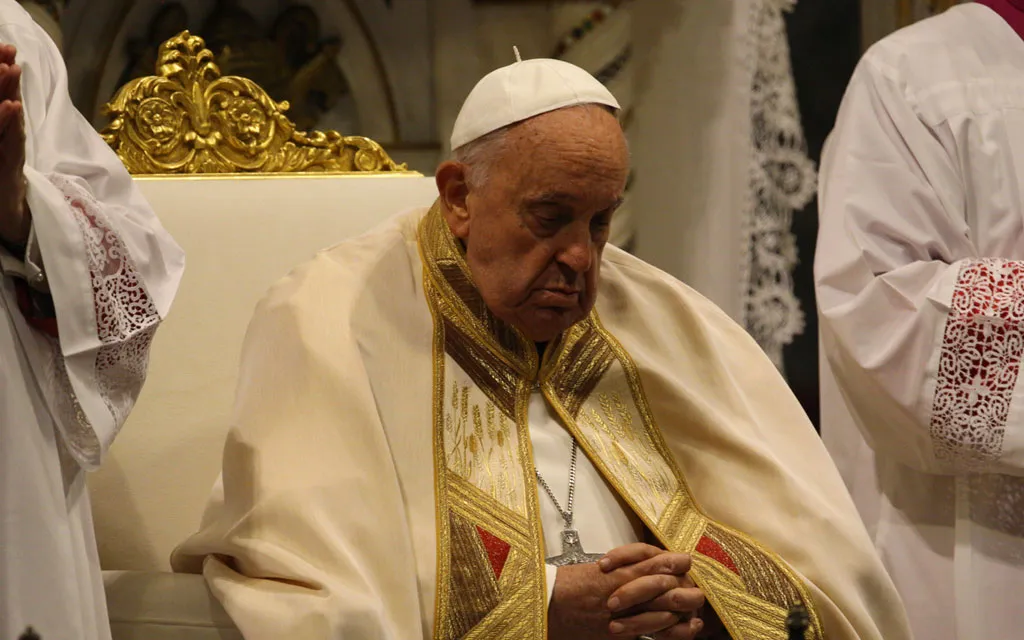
column 497, row 550
column 708, row 547
column 126, row 317
column 123, row 307
column 979, row 363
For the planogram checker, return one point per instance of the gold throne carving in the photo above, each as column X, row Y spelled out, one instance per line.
column 189, row 119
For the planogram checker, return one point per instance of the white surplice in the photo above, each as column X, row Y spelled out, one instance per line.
column 112, row 273
column 920, row 282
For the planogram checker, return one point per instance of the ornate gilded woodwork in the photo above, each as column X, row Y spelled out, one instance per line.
column 291, row 59
column 191, row 119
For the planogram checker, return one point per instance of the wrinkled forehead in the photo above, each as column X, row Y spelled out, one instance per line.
column 582, row 146
column 595, row 123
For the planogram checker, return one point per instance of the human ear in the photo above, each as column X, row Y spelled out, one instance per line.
column 453, row 189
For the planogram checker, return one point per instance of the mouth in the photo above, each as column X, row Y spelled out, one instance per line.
column 558, row 297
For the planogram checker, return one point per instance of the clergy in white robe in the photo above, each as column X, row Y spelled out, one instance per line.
column 920, row 284
column 82, row 293
column 400, row 462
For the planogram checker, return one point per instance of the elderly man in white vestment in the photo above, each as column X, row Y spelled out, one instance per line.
column 88, row 274
column 440, row 435
column 920, row 283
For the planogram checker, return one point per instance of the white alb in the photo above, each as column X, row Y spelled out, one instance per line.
column 112, row 271
column 920, row 280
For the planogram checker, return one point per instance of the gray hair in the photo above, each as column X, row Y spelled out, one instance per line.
column 480, row 155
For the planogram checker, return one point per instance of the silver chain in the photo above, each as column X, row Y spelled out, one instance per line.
column 567, row 513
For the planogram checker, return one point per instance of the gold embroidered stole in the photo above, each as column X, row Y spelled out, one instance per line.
column 490, row 557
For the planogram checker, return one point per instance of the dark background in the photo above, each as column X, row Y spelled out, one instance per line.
column 824, row 39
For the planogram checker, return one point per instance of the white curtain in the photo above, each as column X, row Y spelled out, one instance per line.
column 719, row 156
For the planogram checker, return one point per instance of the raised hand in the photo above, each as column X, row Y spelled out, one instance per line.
column 15, row 220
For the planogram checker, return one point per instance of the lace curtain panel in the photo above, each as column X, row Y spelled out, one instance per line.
column 782, row 180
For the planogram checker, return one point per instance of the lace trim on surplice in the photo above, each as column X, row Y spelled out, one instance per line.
column 979, row 364
column 126, row 320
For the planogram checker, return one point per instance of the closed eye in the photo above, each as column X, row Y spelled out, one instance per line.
column 552, row 216
column 603, row 220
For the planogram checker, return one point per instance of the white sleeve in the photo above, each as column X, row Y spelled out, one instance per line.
column 112, row 270
column 922, row 333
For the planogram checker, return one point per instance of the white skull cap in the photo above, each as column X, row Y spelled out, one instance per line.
column 523, row 90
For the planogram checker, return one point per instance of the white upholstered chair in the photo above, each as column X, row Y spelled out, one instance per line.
column 240, row 233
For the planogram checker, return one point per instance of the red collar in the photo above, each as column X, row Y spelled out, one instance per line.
column 1011, row 10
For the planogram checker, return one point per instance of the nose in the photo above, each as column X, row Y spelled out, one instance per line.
column 578, row 252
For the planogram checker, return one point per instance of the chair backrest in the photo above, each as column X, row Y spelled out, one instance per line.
column 240, row 233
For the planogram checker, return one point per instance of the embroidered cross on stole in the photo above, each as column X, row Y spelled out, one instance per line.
column 490, row 573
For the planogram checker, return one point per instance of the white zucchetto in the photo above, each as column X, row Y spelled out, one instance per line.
column 523, row 90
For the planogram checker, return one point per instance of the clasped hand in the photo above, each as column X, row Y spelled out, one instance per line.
column 634, row 590
column 14, row 217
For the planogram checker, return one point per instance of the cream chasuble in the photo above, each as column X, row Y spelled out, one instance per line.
column 379, row 478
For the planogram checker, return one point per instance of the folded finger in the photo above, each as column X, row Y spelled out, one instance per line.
column 10, row 120
column 5, row 72
column 680, row 599
column 627, row 555
column 7, row 53
column 12, row 138
column 643, row 589
column 677, row 564
column 10, row 82
column 8, row 114
column 647, row 623
column 682, row 631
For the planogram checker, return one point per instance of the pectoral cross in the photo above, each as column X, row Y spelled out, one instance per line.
column 572, row 551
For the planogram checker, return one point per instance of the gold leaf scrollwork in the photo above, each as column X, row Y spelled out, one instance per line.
column 189, row 119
